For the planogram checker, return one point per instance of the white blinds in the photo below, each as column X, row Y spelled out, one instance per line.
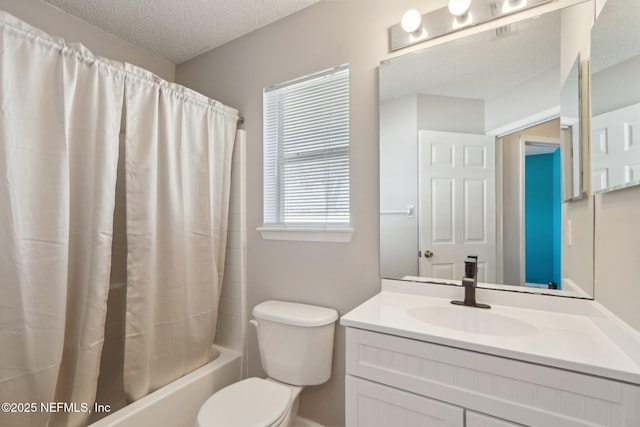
column 306, row 150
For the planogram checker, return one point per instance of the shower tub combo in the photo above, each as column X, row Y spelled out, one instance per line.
column 175, row 404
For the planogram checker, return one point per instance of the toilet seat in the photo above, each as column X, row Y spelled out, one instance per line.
column 253, row 402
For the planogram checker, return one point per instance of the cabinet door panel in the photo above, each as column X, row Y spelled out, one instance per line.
column 515, row 390
column 371, row 404
column 475, row 419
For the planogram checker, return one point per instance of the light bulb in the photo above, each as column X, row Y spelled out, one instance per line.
column 411, row 20
column 459, row 7
column 512, row 5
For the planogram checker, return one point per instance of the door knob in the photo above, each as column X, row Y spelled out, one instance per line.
column 428, row 254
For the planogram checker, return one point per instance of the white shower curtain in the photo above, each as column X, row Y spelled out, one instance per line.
column 178, row 161
column 60, row 110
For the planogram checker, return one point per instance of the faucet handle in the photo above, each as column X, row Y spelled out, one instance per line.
column 471, row 266
column 469, row 282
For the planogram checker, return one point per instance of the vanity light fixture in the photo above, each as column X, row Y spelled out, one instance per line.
column 510, row 6
column 461, row 15
column 411, row 21
column 412, row 29
column 459, row 8
column 460, row 22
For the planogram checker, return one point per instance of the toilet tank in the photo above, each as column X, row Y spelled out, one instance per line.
column 295, row 341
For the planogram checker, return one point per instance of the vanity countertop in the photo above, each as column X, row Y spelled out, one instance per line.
column 574, row 341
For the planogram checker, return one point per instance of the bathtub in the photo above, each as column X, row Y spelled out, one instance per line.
column 177, row 404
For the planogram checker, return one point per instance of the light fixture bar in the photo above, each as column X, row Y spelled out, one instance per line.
column 440, row 22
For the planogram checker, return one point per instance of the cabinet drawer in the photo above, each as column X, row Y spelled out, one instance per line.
column 369, row 404
column 523, row 392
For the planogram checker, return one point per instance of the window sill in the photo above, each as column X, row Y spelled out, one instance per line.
column 307, row 234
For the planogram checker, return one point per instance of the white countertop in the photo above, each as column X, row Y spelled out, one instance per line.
column 573, row 341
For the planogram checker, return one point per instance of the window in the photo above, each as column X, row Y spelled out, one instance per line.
column 306, row 158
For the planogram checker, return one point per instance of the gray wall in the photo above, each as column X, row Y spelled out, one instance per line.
column 344, row 275
column 336, row 275
column 617, row 241
column 60, row 24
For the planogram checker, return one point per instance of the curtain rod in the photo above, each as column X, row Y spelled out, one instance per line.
column 240, row 120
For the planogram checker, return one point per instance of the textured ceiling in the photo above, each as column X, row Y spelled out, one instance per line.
column 615, row 36
column 178, row 30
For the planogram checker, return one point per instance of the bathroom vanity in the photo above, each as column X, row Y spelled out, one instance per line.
column 414, row 359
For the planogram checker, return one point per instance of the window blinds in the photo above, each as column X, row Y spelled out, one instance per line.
column 306, row 151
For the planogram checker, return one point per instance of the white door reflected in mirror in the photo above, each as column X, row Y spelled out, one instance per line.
column 457, row 203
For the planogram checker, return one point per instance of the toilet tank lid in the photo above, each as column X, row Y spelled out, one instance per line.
column 296, row 314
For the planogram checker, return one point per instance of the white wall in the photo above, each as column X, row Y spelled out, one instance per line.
column 616, row 87
column 398, row 187
column 60, row 24
column 451, row 114
column 538, row 94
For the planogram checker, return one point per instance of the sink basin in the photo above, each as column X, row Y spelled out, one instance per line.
column 472, row 320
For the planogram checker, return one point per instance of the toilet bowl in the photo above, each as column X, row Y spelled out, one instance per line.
column 296, row 349
column 254, row 402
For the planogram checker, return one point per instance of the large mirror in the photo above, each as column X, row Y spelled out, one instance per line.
column 475, row 156
column 615, row 97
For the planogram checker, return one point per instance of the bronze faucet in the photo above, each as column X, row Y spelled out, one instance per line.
column 470, row 282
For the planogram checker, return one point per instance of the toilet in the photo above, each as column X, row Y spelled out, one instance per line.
column 296, row 349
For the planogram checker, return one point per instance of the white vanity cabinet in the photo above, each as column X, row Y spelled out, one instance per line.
column 476, row 419
column 403, row 382
column 372, row 404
